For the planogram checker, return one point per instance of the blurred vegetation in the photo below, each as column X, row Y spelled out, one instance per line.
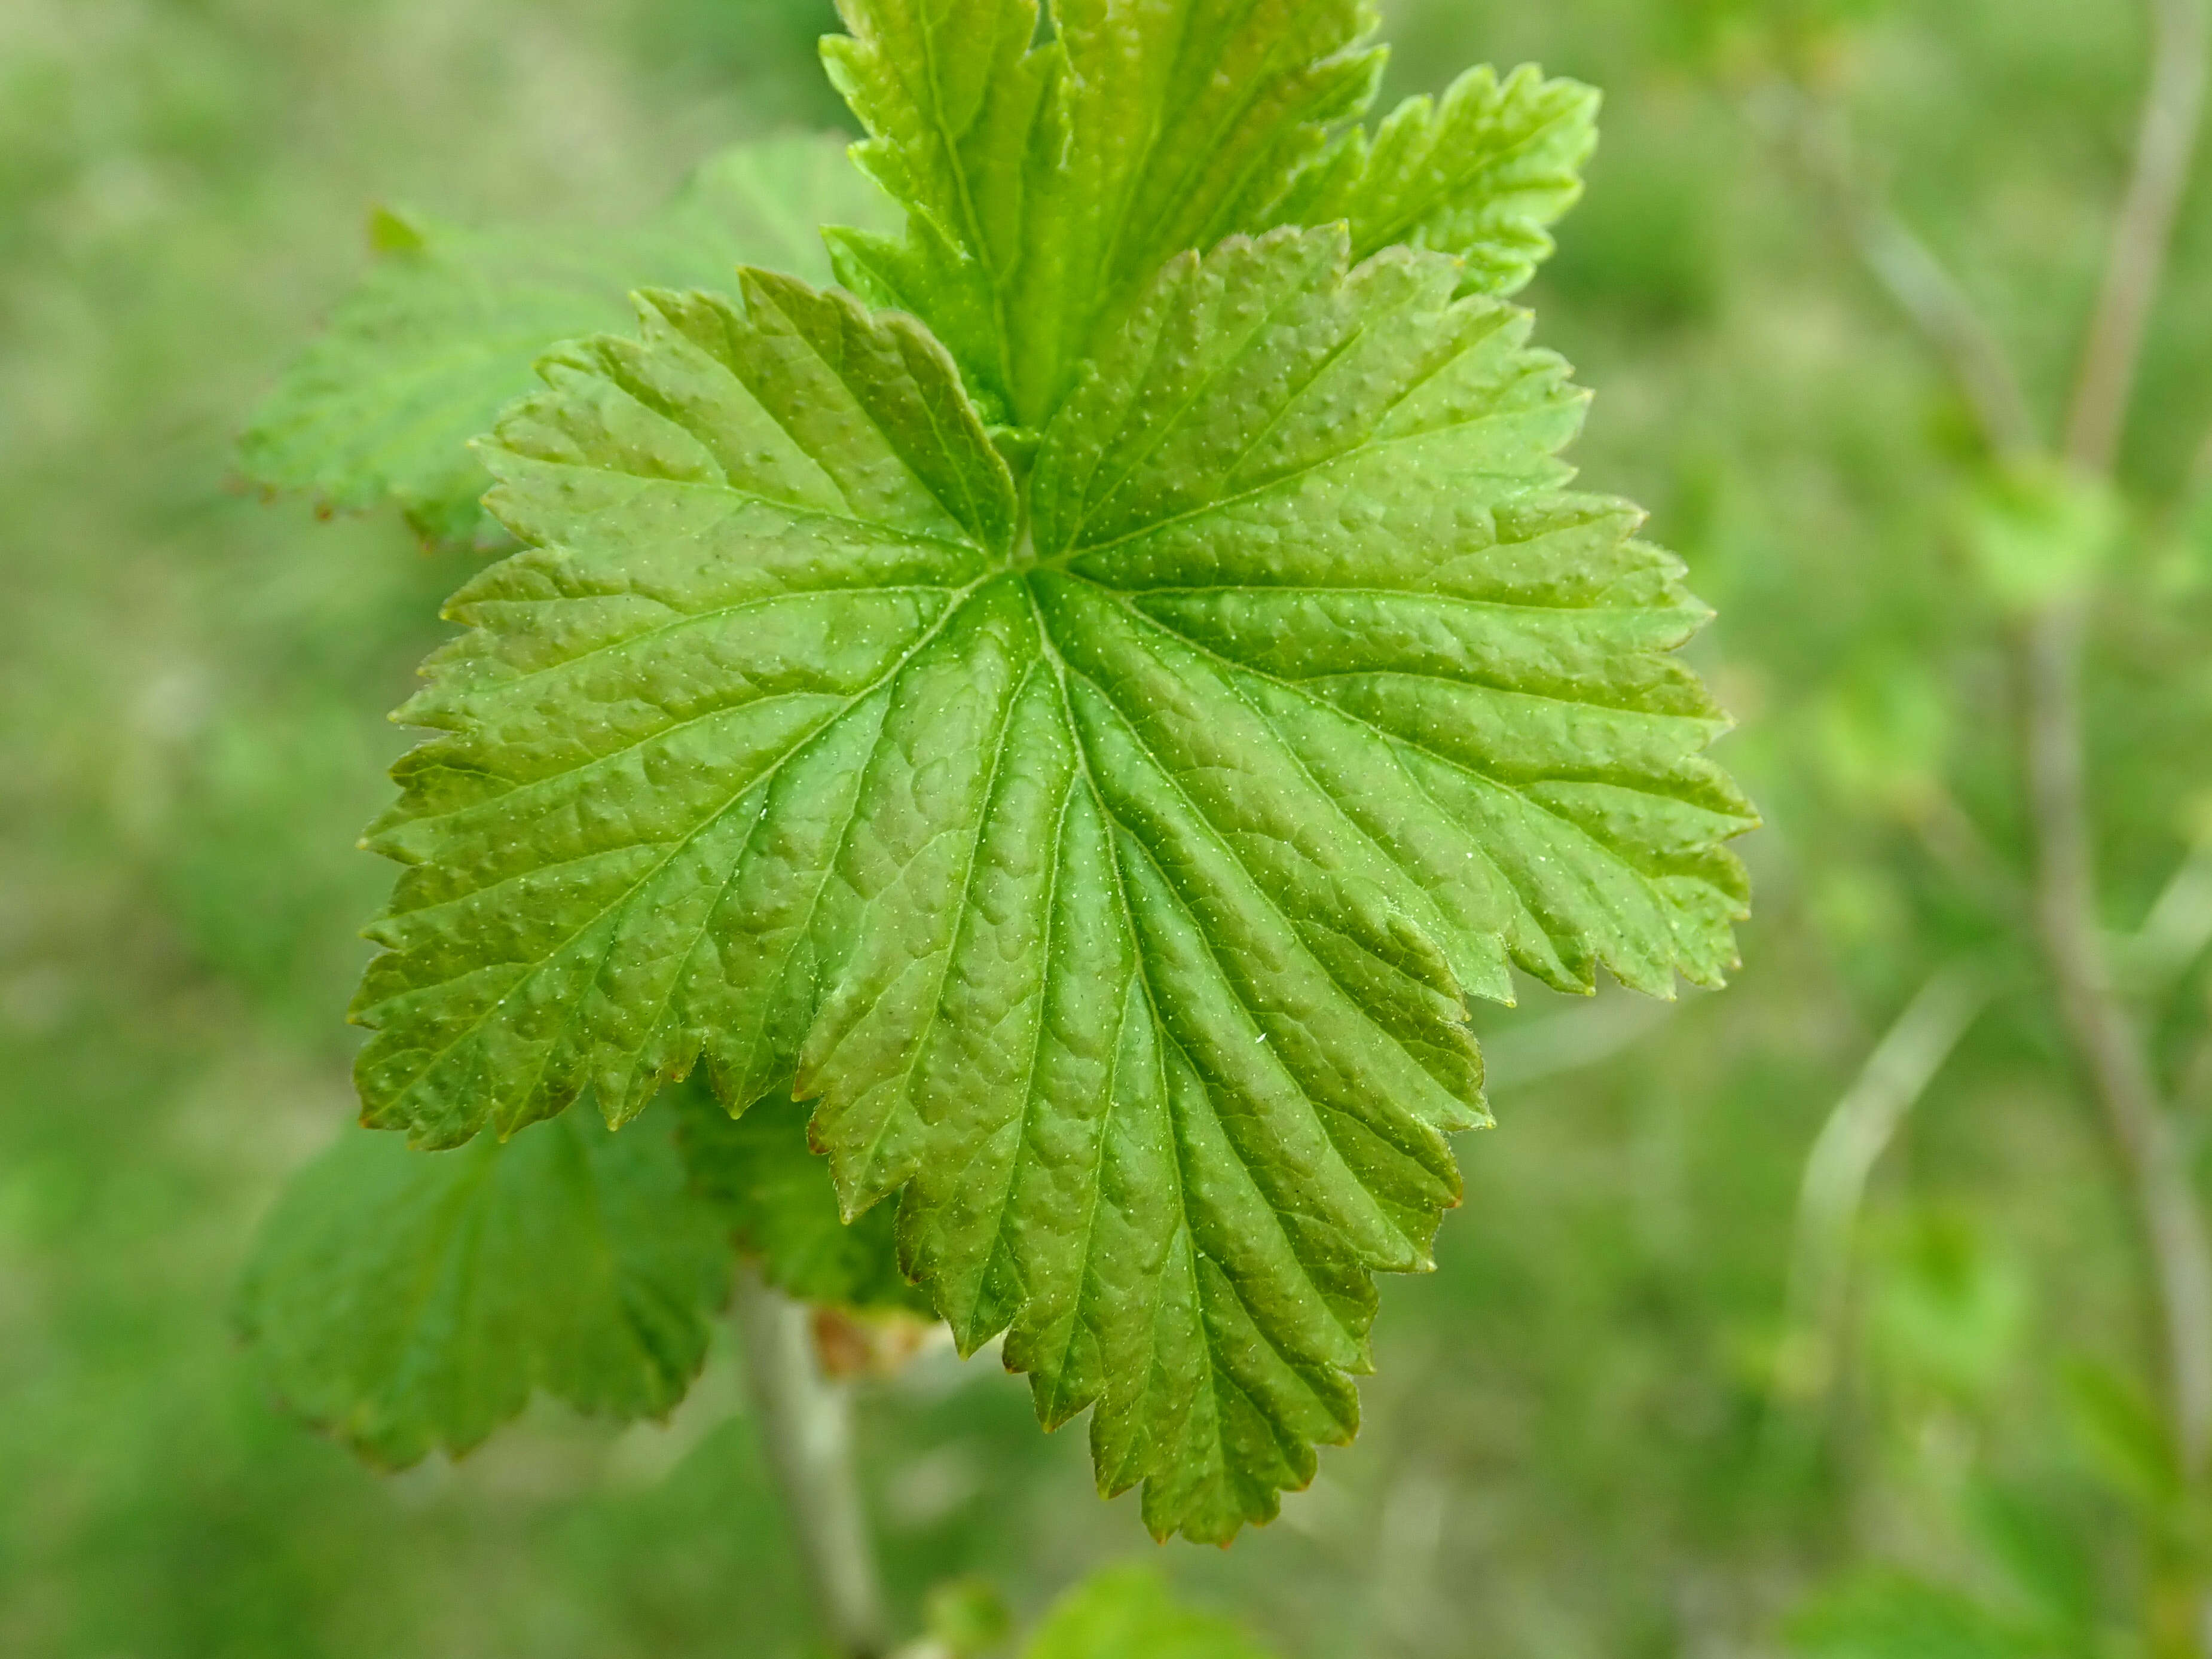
column 1598, row 1430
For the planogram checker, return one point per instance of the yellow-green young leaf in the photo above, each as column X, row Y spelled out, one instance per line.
column 407, row 1300
column 2038, row 533
column 443, row 331
column 1046, row 182
column 1127, row 1612
column 967, row 1617
column 1480, row 174
column 1108, row 865
column 775, row 1195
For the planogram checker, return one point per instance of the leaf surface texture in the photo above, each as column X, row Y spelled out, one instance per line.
column 1107, row 853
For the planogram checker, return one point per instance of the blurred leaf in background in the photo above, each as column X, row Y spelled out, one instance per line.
column 444, row 330
column 775, row 1194
column 1127, row 1613
column 407, row 1303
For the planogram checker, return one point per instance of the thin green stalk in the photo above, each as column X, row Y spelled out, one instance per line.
column 806, row 1431
column 1858, row 1131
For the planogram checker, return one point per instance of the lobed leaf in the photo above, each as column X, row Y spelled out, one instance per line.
column 407, row 1301
column 445, row 329
column 752, row 533
column 1481, row 175
column 1046, row 181
column 1107, row 862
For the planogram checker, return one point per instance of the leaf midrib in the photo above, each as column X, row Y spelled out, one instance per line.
column 1322, row 1113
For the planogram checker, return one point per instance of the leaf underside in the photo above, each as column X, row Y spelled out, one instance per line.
column 408, row 1300
column 776, row 1198
column 446, row 326
column 1108, row 857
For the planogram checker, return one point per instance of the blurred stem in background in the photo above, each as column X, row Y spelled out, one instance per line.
column 2173, row 112
column 1851, row 1142
column 805, row 1425
column 1817, row 130
column 2101, row 1028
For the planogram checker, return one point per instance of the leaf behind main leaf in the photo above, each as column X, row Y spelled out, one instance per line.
column 776, row 1197
column 408, row 1300
column 444, row 330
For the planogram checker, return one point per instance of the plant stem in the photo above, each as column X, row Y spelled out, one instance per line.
column 1858, row 1131
column 2099, row 1025
column 2068, row 919
column 2166, row 141
column 1817, row 132
column 806, row 1430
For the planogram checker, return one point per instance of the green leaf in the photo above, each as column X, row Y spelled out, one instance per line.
column 1480, row 175
column 1126, row 1612
column 775, row 1195
column 2047, row 1555
column 760, row 539
column 1046, row 182
column 2121, row 1431
column 967, row 1617
column 443, row 331
column 408, row 1300
column 2038, row 533
column 1112, row 883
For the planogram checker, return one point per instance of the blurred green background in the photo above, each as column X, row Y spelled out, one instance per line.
column 1598, row 1430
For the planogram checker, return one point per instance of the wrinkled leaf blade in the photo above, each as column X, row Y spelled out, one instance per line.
column 1045, row 181
column 1113, row 891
